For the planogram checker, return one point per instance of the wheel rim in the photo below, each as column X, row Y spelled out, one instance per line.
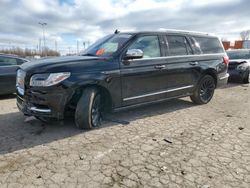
column 207, row 90
column 96, row 111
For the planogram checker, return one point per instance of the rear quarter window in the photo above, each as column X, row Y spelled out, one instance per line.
column 208, row 45
column 178, row 45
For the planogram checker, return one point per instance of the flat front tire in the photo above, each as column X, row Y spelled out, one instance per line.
column 204, row 91
column 89, row 109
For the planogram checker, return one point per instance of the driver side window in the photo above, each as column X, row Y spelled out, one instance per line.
column 149, row 45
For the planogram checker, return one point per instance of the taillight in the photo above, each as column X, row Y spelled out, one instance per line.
column 226, row 60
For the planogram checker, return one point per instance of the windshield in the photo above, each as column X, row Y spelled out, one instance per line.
column 238, row 55
column 108, row 45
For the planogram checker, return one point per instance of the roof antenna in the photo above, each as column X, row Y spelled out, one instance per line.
column 117, row 31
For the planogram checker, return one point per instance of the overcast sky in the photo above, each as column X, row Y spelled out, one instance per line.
column 87, row 20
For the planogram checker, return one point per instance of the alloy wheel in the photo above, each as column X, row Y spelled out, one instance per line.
column 207, row 90
column 96, row 111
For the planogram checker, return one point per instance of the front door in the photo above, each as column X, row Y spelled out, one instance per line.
column 142, row 78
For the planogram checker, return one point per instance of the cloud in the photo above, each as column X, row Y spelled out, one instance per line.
column 86, row 20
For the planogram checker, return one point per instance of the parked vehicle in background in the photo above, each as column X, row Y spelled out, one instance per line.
column 8, row 67
column 239, row 65
column 120, row 71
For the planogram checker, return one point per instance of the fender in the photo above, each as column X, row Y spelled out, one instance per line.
column 109, row 80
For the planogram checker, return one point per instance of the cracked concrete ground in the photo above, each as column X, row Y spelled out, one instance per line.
column 172, row 144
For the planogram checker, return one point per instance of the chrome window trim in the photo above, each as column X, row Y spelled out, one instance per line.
column 157, row 93
column 180, row 56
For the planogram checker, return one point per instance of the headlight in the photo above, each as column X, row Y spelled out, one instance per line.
column 50, row 79
column 241, row 67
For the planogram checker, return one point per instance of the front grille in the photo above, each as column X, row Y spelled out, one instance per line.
column 232, row 66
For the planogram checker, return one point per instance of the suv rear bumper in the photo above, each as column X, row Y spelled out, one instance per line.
column 222, row 81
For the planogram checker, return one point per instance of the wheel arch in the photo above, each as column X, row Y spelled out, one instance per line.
column 105, row 94
column 212, row 73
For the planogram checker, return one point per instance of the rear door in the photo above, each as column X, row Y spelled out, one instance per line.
column 183, row 69
column 8, row 67
column 141, row 78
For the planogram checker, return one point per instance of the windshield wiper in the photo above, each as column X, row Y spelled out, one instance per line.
column 88, row 54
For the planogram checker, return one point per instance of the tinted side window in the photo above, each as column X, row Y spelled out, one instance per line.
column 209, row 45
column 149, row 45
column 20, row 61
column 5, row 61
column 195, row 46
column 178, row 45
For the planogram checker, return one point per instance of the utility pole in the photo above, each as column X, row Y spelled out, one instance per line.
column 43, row 24
column 69, row 50
column 55, row 45
column 77, row 46
column 39, row 46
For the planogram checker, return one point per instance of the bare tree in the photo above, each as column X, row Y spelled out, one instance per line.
column 224, row 39
column 245, row 35
column 29, row 52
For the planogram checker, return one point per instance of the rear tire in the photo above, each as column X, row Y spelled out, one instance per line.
column 88, row 112
column 246, row 79
column 204, row 91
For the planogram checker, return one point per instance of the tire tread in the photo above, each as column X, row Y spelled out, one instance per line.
column 83, row 109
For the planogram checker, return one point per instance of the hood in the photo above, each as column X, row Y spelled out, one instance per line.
column 67, row 63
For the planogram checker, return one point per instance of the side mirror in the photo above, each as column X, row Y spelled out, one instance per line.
column 134, row 54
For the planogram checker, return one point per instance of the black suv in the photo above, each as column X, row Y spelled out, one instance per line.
column 123, row 70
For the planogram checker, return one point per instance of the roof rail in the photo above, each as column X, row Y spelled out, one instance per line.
column 185, row 31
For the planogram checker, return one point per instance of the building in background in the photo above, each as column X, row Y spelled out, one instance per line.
column 238, row 44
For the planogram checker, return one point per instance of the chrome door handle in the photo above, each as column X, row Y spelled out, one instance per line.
column 194, row 63
column 160, row 66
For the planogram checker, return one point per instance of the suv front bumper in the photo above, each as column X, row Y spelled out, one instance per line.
column 43, row 103
column 237, row 75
